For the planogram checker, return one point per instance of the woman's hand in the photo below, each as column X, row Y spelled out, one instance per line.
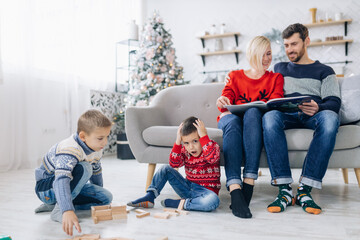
column 221, row 101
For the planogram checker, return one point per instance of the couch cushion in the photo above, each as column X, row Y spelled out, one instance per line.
column 297, row 139
column 350, row 96
column 166, row 135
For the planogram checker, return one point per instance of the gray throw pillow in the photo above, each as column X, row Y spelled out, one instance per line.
column 350, row 99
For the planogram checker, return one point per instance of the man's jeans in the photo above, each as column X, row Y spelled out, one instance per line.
column 325, row 125
column 196, row 197
column 242, row 136
column 84, row 194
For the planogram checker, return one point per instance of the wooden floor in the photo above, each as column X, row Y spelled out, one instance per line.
column 126, row 180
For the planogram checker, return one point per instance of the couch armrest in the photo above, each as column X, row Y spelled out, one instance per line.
column 136, row 120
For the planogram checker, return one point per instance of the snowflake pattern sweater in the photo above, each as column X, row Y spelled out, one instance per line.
column 204, row 169
column 241, row 89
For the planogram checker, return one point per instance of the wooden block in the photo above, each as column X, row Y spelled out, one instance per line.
column 181, row 204
column 182, row 212
column 141, row 215
column 163, row 238
column 104, row 218
column 116, row 239
column 103, row 207
column 174, row 214
column 170, row 210
column 119, row 216
column 118, row 209
column 96, row 220
column 139, row 211
column 90, row 237
column 99, row 213
column 163, row 215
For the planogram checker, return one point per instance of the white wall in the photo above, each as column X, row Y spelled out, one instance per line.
column 186, row 18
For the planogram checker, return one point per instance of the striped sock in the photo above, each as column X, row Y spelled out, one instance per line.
column 172, row 203
column 146, row 202
column 285, row 198
column 304, row 199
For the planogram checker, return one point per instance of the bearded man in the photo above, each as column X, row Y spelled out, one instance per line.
column 302, row 76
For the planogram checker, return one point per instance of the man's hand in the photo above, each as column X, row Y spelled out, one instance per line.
column 200, row 128
column 178, row 134
column 69, row 219
column 221, row 101
column 309, row 108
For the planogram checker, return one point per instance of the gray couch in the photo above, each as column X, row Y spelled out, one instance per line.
column 151, row 130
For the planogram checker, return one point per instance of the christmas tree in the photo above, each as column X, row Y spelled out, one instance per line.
column 156, row 68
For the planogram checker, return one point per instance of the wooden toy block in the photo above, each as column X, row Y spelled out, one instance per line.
column 121, row 208
column 106, row 212
column 116, row 239
column 182, row 212
column 141, row 215
column 170, row 210
column 163, row 238
column 103, row 207
column 139, row 211
column 181, row 204
column 88, row 237
column 119, row 216
column 174, row 214
column 163, row 215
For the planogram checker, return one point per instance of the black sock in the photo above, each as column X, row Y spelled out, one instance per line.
column 248, row 192
column 238, row 204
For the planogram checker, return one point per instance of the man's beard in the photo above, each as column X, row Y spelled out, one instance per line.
column 300, row 55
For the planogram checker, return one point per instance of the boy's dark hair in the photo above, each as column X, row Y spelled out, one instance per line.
column 296, row 28
column 188, row 126
column 92, row 119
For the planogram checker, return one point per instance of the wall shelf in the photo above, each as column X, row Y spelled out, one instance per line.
column 235, row 51
column 229, row 34
column 328, row 23
column 347, row 41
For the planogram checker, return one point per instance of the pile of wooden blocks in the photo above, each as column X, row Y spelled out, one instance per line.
column 96, row 237
column 166, row 214
column 108, row 212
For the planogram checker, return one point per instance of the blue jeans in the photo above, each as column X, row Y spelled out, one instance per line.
column 242, row 136
column 84, row 194
column 325, row 125
column 197, row 198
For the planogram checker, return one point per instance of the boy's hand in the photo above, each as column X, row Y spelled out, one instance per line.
column 178, row 134
column 200, row 128
column 221, row 101
column 69, row 219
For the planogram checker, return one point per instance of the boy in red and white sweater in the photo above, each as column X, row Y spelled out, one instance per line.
column 201, row 158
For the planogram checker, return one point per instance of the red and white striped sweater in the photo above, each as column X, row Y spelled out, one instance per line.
column 204, row 169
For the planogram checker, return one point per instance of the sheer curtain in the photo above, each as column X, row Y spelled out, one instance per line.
column 52, row 54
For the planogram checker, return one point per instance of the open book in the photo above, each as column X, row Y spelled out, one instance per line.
column 288, row 104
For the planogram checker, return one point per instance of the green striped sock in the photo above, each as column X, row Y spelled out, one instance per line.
column 304, row 199
column 285, row 198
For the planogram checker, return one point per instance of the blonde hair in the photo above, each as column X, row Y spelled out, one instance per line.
column 92, row 119
column 255, row 51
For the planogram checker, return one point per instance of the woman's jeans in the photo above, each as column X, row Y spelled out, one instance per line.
column 84, row 194
column 325, row 125
column 197, row 198
column 242, row 137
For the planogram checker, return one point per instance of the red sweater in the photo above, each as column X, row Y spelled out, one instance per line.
column 204, row 169
column 240, row 89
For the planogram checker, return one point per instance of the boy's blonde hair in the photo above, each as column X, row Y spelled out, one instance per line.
column 92, row 119
column 255, row 51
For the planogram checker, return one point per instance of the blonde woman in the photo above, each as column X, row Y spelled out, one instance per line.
column 242, row 135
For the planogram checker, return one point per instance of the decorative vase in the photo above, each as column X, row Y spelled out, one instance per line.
column 133, row 30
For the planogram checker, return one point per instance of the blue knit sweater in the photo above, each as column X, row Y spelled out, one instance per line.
column 316, row 80
column 60, row 162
